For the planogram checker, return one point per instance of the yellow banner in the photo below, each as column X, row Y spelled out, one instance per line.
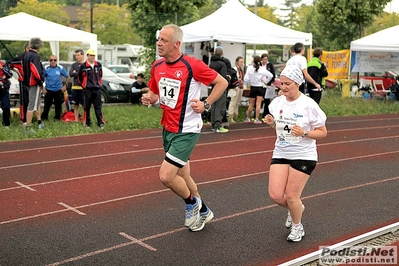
column 337, row 63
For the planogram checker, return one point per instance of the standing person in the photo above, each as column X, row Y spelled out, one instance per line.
column 90, row 77
column 138, row 87
column 5, row 75
column 255, row 77
column 318, row 71
column 299, row 122
column 16, row 63
column 270, row 89
column 176, row 83
column 236, row 93
column 54, row 89
column 218, row 108
column 77, row 94
column 33, row 80
column 300, row 61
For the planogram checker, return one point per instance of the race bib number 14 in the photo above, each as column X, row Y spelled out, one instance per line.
column 169, row 90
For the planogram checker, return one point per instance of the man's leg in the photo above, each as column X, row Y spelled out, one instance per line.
column 48, row 101
column 58, row 104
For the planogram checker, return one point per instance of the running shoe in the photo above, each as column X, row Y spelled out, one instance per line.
column 222, row 130
column 288, row 221
column 204, row 218
column 257, row 122
column 40, row 126
column 192, row 212
column 247, row 121
column 297, row 232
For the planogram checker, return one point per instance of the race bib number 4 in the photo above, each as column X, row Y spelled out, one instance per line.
column 283, row 130
column 169, row 90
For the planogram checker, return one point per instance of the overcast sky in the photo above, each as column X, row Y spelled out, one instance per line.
column 280, row 3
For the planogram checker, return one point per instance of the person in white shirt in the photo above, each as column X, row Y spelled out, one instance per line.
column 299, row 122
column 300, row 61
column 255, row 77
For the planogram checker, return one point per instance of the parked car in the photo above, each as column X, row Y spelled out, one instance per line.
column 115, row 88
column 121, row 70
column 14, row 89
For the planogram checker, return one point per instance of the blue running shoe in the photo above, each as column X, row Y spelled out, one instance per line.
column 204, row 218
column 192, row 212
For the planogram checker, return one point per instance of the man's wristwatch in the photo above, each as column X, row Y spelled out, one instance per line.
column 207, row 105
column 305, row 134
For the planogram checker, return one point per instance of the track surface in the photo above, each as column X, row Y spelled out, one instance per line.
column 97, row 200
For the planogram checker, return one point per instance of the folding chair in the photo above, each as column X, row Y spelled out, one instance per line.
column 380, row 89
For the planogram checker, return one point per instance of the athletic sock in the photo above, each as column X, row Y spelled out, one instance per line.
column 39, row 122
column 190, row 200
column 203, row 208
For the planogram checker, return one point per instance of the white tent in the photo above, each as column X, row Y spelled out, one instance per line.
column 376, row 52
column 23, row 27
column 235, row 23
column 386, row 40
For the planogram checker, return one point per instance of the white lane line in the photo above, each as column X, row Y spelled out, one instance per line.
column 159, row 136
column 25, row 186
column 199, row 144
column 135, row 240
column 71, row 208
column 90, row 254
column 206, row 159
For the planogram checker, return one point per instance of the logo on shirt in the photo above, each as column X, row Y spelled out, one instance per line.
column 178, row 74
column 297, row 115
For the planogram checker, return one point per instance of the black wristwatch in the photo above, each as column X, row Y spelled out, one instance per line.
column 207, row 105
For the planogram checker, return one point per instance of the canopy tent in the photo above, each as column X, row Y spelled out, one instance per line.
column 377, row 52
column 224, row 25
column 23, row 27
column 386, row 40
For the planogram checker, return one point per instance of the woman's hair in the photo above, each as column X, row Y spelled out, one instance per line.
column 257, row 61
column 238, row 58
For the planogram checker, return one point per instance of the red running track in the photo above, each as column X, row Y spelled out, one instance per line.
column 97, row 200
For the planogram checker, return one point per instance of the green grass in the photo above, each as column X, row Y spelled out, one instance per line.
column 133, row 117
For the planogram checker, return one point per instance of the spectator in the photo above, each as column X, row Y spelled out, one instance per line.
column 299, row 122
column 318, row 71
column 16, row 64
column 138, row 87
column 33, row 80
column 54, row 89
column 269, row 88
column 179, row 99
column 300, row 61
column 236, row 93
column 90, row 77
column 77, row 92
column 218, row 108
column 5, row 75
column 255, row 77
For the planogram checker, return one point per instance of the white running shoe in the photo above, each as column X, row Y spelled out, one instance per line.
column 297, row 232
column 204, row 218
column 288, row 221
column 247, row 121
column 192, row 212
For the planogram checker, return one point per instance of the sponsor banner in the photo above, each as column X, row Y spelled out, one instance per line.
column 374, row 61
column 337, row 63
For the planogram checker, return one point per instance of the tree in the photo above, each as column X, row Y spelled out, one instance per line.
column 148, row 16
column 290, row 8
column 110, row 23
column 45, row 10
column 5, row 6
column 343, row 21
column 386, row 20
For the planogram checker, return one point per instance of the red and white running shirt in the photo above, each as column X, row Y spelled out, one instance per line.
column 176, row 84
